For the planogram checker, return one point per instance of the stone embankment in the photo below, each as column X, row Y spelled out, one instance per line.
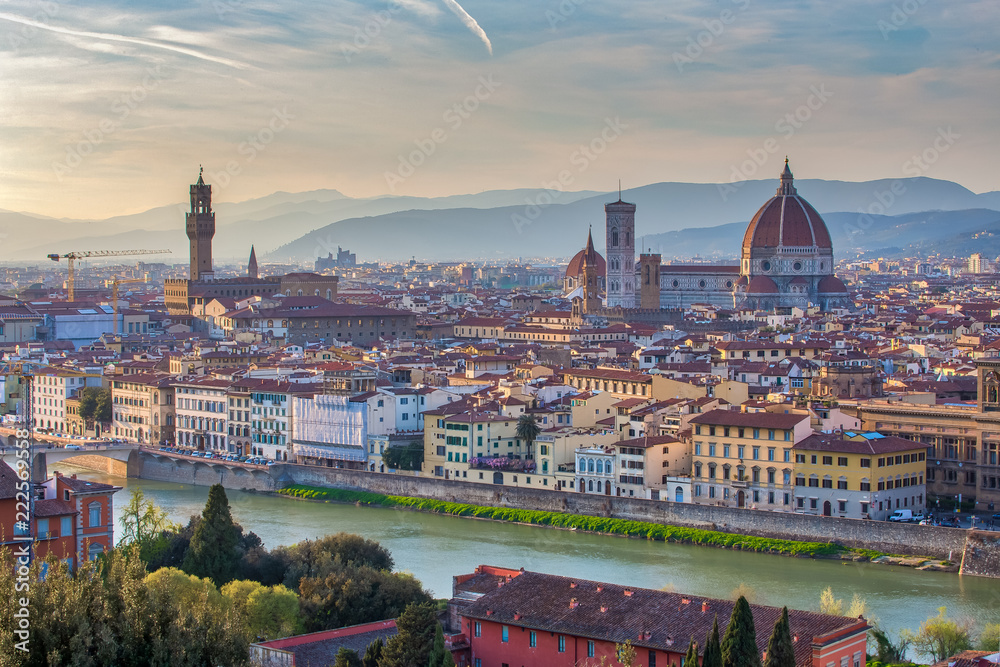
column 979, row 553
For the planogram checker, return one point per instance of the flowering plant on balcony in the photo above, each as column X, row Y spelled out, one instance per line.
column 501, row 463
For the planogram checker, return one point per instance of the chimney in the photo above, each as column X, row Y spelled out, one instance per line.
column 704, row 606
column 604, row 609
column 573, row 604
column 517, row 616
column 599, row 588
column 73, row 476
column 572, row 584
column 685, row 601
column 489, row 612
column 628, row 592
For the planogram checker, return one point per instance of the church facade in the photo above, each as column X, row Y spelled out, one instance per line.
column 786, row 260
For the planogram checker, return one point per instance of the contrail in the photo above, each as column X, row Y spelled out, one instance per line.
column 122, row 38
column 469, row 22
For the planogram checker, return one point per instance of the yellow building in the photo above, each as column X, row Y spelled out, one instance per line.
column 744, row 459
column 859, row 475
column 454, row 443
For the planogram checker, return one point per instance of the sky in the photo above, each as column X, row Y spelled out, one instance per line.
column 109, row 108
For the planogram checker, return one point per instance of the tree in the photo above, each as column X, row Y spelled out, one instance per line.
column 691, row 658
column 95, row 404
column 355, row 595
column 318, row 558
column 828, row 604
column 941, row 637
column 625, row 654
column 213, row 549
column 989, row 639
column 440, row 656
column 347, row 658
column 712, row 656
column 411, row 646
column 405, row 457
column 739, row 644
column 373, row 653
column 268, row 612
column 744, row 590
column 527, row 430
column 780, row 648
column 886, row 650
column 146, row 524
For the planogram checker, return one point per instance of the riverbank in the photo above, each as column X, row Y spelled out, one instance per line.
column 615, row 527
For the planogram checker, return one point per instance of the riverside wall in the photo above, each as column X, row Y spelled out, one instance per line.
column 895, row 538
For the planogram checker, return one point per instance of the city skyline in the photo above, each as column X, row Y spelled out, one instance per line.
column 109, row 107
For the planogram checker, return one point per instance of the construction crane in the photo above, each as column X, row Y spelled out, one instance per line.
column 71, row 257
column 115, row 282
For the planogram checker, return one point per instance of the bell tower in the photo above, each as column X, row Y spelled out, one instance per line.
column 620, row 283
column 201, row 229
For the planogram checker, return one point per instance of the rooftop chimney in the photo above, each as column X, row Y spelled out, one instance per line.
column 628, row 592
column 573, row 604
column 704, row 606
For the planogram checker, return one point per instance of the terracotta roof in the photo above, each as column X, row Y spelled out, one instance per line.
column 836, row 442
column 786, row 220
column 648, row 618
column 751, row 419
column 762, row 285
column 8, row 481
column 53, row 507
column 832, row 285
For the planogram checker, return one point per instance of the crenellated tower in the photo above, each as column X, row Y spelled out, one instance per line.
column 201, row 229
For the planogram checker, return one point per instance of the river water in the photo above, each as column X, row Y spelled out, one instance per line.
column 435, row 548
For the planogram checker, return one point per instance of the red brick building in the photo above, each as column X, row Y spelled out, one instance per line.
column 513, row 618
column 72, row 519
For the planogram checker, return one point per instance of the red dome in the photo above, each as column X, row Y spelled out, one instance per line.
column 786, row 220
column 593, row 257
column 832, row 285
column 762, row 285
column 743, row 281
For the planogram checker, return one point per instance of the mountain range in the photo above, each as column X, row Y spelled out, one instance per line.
column 679, row 220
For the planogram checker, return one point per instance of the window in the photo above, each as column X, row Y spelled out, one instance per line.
column 43, row 528
column 94, row 510
column 478, row 630
column 562, row 643
column 842, row 461
column 652, row 659
column 828, row 460
column 66, row 526
column 504, row 634
column 590, row 649
column 532, row 639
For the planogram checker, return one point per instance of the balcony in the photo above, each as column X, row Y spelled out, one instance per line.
column 501, row 463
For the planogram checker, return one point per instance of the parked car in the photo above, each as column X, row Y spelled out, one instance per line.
column 905, row 516
column 74, row 447
column 949, row 522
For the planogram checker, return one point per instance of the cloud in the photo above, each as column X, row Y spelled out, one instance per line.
column 13, row 18
column 469, row 22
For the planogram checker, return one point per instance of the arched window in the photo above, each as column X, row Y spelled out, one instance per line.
column 697, row 469
column 590, row 465
column 300, row 293
column 329, row 294
column 614, row 237
column 590, row 485
column 600, row 467
column 94, row 514
column 711, row 471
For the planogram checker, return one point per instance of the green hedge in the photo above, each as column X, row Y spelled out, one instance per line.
column 651, row 531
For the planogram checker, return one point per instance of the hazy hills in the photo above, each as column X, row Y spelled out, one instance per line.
column 678, row 219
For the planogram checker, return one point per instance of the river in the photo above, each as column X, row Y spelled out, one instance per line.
column 435, row 548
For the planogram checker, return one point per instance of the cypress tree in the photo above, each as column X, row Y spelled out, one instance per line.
column 373, row 653
column 691, row 659
column 739, row 645
column 440, row 656
column 780, row 650
column 712, row 657
column 212, row 552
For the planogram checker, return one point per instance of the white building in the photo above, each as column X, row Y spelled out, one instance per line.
column 50, row 389
column 331, row 430
column 595, row 470
column 202, row 417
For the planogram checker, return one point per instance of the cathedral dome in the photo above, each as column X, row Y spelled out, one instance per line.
column 762, row 285
column 832, row 285
column 786, row 220
column 575, row 267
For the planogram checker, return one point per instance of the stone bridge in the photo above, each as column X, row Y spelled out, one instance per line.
column 168, row 466
column 120, row 460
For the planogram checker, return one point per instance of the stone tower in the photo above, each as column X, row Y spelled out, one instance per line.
column 201, row 229
column 252, row 264
column 620, row 253
column 649, row 281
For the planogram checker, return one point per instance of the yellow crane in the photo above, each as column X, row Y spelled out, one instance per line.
column 71, row 257
column 115, row 282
